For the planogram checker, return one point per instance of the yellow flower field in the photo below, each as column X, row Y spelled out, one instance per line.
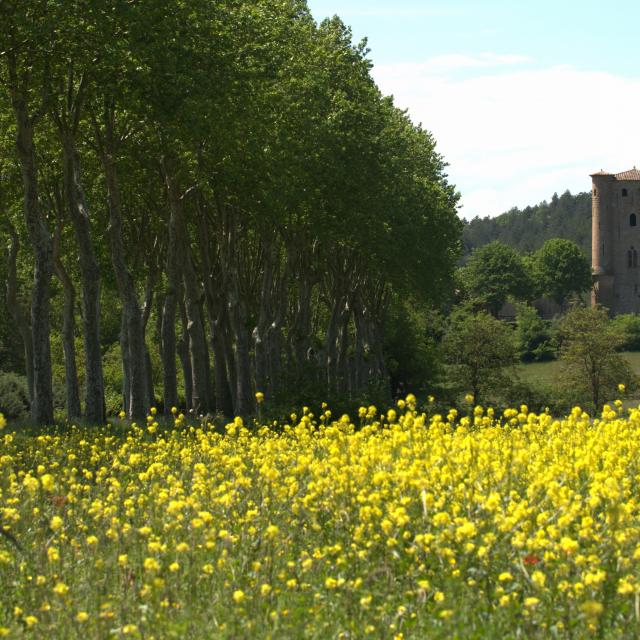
column 398, row 526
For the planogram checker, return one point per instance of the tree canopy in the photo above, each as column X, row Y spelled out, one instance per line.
column 494, row 273
column 480, row 351
column 561, row 269
column 216, row 191
column 525, row 230
column 590, row 363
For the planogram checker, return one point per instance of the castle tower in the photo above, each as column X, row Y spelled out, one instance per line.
column 602, row 238
column 615, row 235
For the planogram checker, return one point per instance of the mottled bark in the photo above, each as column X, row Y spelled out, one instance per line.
column 244, row 388
column 173, row 270
column 146, row 313
column 244, row 399
column 342, row 364
column 299, row 343
column 125, row 352
column 229, row 356
column 72, row 388
column 261, row 331
column 198, row 350
column 40, row 238
column 90, row 278
column 332, row 344
column 14, row 306
column 134, row 360
column 215, row 310
column 182, row 347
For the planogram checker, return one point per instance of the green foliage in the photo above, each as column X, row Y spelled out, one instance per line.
column 566, row 216
column 494, row 273
column 533, row 335
column 411, row 346
column 590, row 365
column 480, row 352
column 262, row 135
column 14, row 396
column 628, row 327
column 561, row 269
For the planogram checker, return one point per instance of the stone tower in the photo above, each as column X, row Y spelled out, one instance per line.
column 615, row 240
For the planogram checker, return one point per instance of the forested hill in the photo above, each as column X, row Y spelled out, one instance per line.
column 566, row 216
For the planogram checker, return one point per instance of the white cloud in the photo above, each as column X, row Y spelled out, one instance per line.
column 454, row 62
column 514, row 135
column 398, row 12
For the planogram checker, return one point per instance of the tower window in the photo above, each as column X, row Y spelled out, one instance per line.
column 633, row 220
column 629, row 258
column 595, row 192
column 624, row 193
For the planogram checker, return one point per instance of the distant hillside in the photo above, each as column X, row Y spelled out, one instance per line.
column 566, row 216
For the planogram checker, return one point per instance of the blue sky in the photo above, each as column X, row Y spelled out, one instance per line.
column 524, row 98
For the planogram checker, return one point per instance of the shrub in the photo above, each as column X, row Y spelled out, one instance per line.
column 480, row 352
column 590, row 364
column 534, row 339
column 628, row 326
column 14, row 396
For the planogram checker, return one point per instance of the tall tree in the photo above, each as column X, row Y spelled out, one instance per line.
column 588, row 355
column 493, row 273
column 27, row 40
column 561, row 270
column 481, row 353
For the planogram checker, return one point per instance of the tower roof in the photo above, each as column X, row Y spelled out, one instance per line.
column 602, row 172
column 631, row 174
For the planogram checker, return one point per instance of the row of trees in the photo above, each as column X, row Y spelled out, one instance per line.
column 225, row 172
column 526, row 230
column 495, row 273
column 481, row 352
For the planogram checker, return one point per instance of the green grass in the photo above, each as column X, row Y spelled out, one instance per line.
column 547, row 374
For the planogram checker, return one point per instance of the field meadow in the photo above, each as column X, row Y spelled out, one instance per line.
column 548, row 371
column 395, row 524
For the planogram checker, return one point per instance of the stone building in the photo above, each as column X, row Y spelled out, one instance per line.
column 615, row 240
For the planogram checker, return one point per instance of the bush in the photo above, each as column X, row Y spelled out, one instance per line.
column 480, row 352
column 628, row 326
column 590, row 364
column 534, row 339
column 14, row 396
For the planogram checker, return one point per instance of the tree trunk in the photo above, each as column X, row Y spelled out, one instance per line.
column 68, row 334
column 362, row 360
column 19, row 317
column 90, row 275
column 229, row 357
column 236, row 316
column 261, row 331
column 244, row 395
column 198, row 350
column 146, row 313
column 215, row 311
column 332, row 345
column 173, row 269
column 342, row 365
column 42, row 405
column 137, row 401
column 125, row 352
column 185, row 360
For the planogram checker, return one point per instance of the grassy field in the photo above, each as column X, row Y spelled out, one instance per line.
column 548, row 371
column 396, row 525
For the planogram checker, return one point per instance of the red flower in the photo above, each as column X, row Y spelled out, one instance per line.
column 531, row 559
